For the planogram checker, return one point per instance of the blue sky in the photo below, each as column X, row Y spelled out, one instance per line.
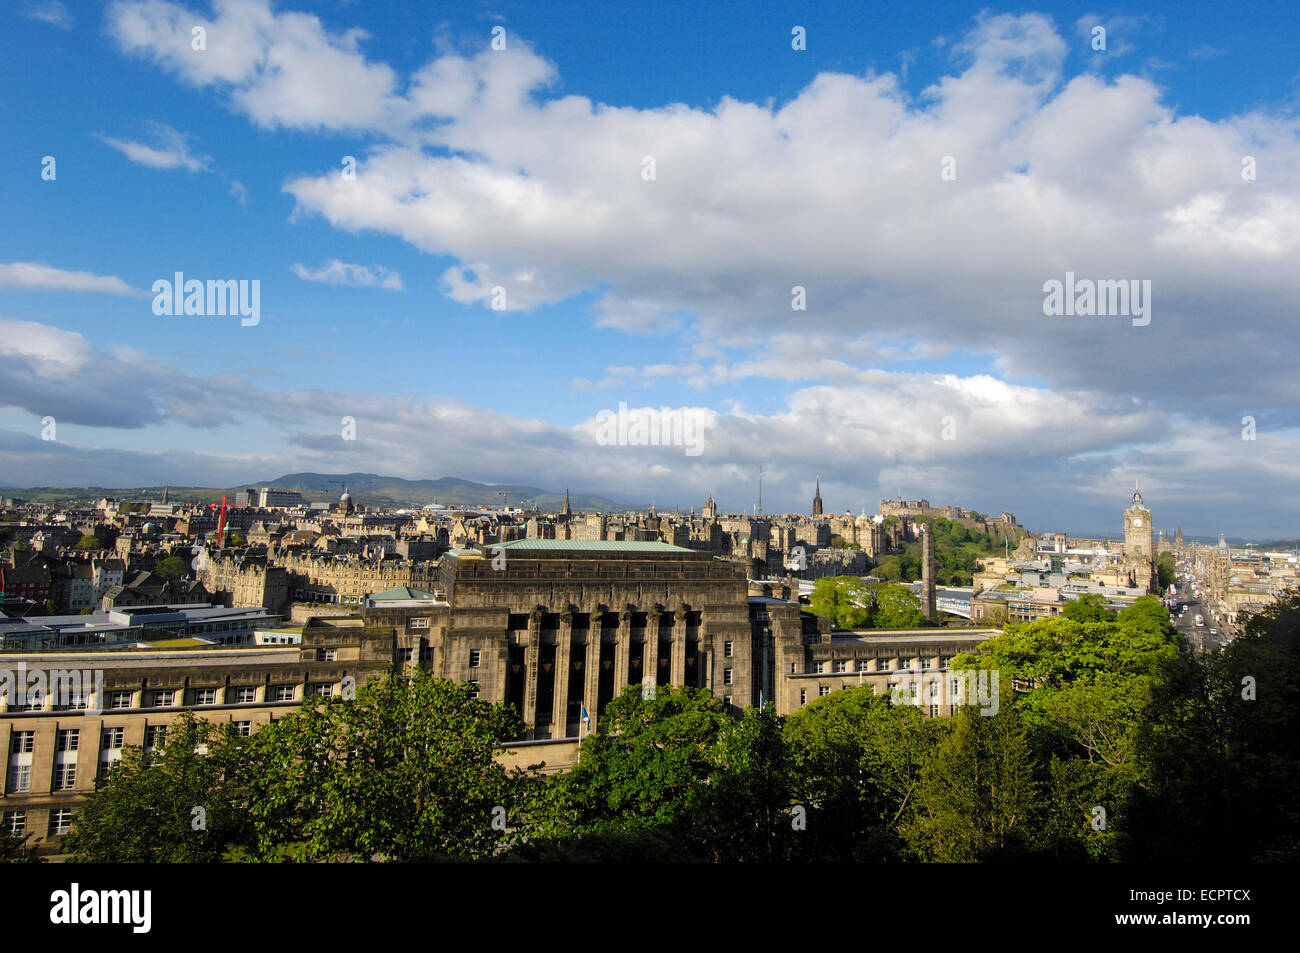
column 522, row 169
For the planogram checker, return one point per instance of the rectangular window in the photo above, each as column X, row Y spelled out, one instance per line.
column 20, row 778
column 243, row 729
column 803, row 696
column 205, row 696
column 65, row 775
column 726, row 649
column 473, row 658
column 164, row 699
column 60, row 822
column 155, row 736
column 726, row 700
column 934, row 711
column 473, row 686
column 326, row 655
column 403, row 655
column 245, row 694
column 21, row 742
column 114, row 737
column 283, row 693
column 726, row 676
column 426, row 652
column 15, row 823
column 885, row 664
column 35, row 702
column 119, row 700
column 860, row 665
column 321, row 689
column 823, row 691
column 841, row 665
column 67, row 739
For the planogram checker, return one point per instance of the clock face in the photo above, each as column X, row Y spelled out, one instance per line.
column 1137, row 521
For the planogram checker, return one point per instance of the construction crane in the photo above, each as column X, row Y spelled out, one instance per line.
column 221, row 523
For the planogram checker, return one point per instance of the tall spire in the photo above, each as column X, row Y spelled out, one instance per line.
column 566, row 511
column 817, row 500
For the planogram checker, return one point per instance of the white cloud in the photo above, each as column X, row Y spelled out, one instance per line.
column 335, row 272
column 50, row 11
column 169, row 150
column 282, row 70
column 29, row 275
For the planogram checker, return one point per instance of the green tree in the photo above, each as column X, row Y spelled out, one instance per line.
column 405, row 771
column 1222, row 750
column 845, row 600
column 855, row 763
column 17, row 850
column 171, row 568
column 744, row 813
column 1166, row 572
column 143, row 810
column 895, row 607
column 977, row 797
column 88, row 541
column 1089, row 607
column 237, row 541
column 636, row 782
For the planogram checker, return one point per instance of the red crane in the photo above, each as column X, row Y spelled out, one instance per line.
column 221, row 523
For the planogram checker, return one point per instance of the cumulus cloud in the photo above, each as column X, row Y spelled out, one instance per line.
column 29, row 275
column 335, row 272
column 839, row 191
column 971, row 439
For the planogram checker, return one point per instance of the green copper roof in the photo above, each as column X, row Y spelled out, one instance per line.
column 585, row 546
column 401, row 592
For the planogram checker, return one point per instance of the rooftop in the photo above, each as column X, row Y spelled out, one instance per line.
column 589, row 546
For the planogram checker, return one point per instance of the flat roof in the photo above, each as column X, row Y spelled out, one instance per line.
column 588, row 546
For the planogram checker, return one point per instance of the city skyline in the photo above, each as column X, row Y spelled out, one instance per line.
column 922, row 361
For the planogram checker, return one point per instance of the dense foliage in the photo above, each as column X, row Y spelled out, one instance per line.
column 957, row 552
column 854, row 603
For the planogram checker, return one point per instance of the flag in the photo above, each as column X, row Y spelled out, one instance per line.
column 585, row 716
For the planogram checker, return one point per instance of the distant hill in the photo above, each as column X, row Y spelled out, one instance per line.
column 364, row 487
column 450, row 491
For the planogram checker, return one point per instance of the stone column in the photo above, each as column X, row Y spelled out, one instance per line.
column 532, row 659
column 622, row 652
column 650, row 659
column 591, row 687
column 563, row 646
column 678, row 668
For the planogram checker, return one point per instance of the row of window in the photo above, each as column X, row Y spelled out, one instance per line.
column 166, row 698
column 65, row 771
column 882, row 665
column 15, row 822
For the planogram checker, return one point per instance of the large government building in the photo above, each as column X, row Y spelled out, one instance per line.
column 552, row 627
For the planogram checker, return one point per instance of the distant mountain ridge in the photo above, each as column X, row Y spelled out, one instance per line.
column 450, row 491
column 364, row 488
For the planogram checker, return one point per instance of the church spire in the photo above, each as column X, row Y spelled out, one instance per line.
column 566, row 512
column 817, row 500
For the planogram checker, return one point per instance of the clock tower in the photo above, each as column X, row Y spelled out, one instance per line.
column 1137, row 531
column 1139, row 548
